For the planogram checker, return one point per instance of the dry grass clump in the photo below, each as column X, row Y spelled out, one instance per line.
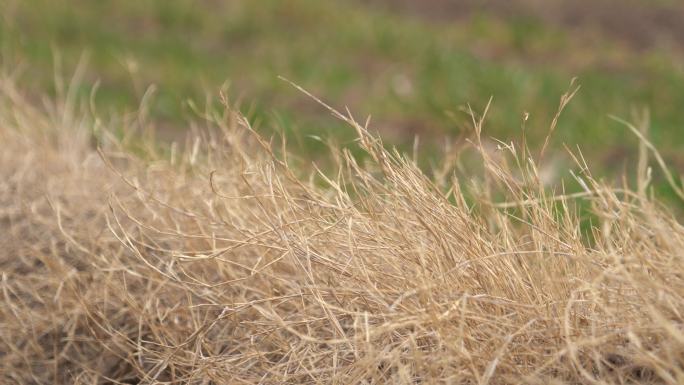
column 219, row 264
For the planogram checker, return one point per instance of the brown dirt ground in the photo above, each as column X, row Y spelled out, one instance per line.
column 637, row 23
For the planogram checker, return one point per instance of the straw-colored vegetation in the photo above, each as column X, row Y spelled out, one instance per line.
column 218, row 262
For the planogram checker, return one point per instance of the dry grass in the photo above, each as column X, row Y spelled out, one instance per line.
column 221, row 264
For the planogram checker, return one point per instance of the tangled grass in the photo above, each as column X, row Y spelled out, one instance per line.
column 221, row 264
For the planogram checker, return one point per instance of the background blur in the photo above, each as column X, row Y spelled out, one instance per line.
column 413, row 65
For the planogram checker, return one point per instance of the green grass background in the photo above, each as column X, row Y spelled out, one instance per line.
column 414, row 74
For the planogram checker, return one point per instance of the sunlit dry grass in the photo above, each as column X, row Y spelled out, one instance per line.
column 221, row 263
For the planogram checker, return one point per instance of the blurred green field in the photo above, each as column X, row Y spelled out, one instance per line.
column 413, row 66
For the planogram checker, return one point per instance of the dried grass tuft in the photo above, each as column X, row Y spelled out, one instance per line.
column 221, row 264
